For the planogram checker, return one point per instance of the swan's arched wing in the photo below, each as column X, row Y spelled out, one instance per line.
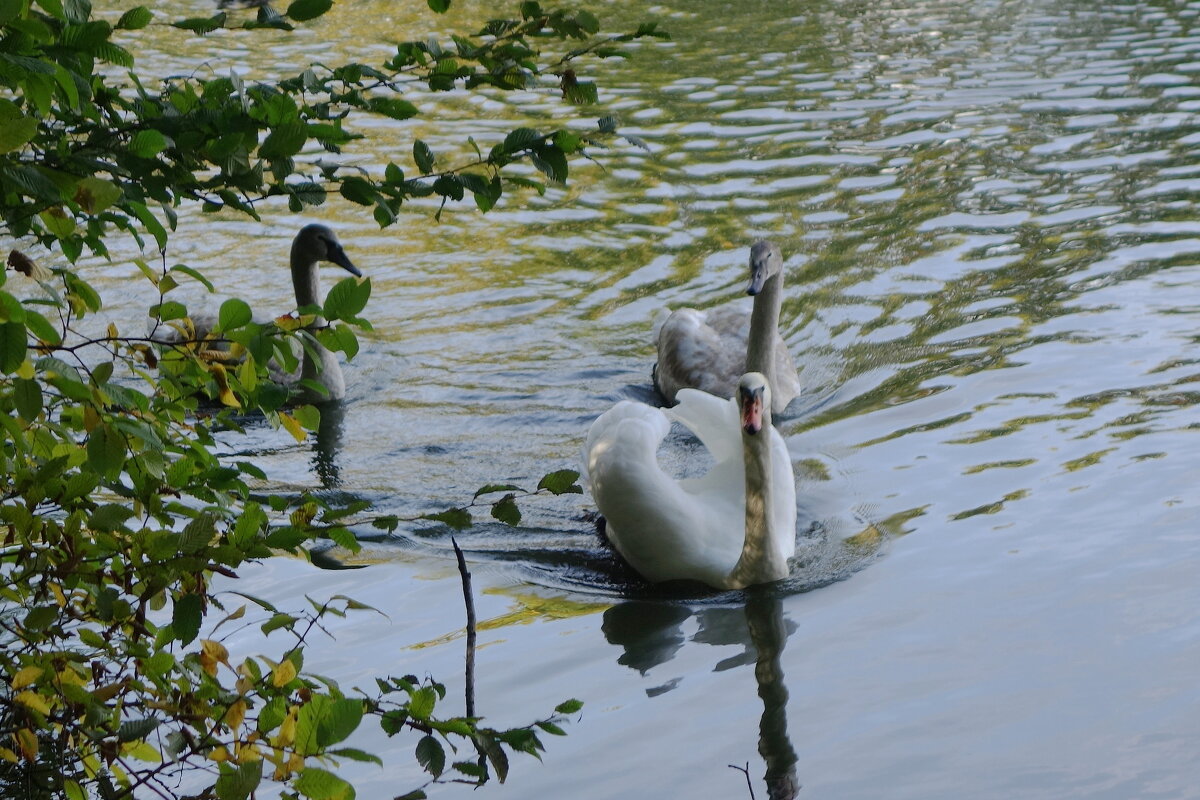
column 713, row 420
column 660, row 529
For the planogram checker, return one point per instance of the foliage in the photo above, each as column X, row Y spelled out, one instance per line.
column 116, row 509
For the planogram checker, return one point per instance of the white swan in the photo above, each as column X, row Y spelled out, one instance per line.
column 313, row 244
column 709, row 350
column 733, row 527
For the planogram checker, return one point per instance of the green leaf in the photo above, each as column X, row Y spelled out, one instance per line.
column 57, row 222
column 339, row 720
column 431, row 756
column 347, row 298
column 304, row 10
column 147, row 144
column 392, row 107
column 520, row 139
column 40, row 327
column 135, row 19
column 238, row 782
column 551, row 728
column 359, row 190
column 319, row 784
column 439, row 6
column 15, row 128
column 457, row 518
column 581, row 93
column 421, row 703
column 491, row 488
column 186, row 618
column 551, row 161
column 277, row 621
column 568, row 707
column 96, row 194
column 423, row 157
column 12, row 346
column 506, row 511
column 40, row 617
column 106, row 451
column 136, row 729
column 27, row 397
column 356, row 755
column 202, row 25
column 234, row 313
column 109, row 517
column 562, row 481
column 285, row 140
column 495, row 754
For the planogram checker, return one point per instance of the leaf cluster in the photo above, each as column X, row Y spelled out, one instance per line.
column 117, row 508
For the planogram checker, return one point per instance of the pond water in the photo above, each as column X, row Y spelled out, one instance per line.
column 988, row 211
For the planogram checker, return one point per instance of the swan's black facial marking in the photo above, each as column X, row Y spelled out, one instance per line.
column 751, row 402
column 336, row 255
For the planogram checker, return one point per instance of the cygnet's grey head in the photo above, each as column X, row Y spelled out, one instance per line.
column 317, row 242
column 765, row 260
column 754, row 402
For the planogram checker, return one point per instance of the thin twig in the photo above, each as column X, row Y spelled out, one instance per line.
column 745, row 771
column 470, row 603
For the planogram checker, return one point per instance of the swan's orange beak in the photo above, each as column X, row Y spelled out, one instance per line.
column 752, row 410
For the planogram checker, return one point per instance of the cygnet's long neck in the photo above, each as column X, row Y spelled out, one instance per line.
column 306, row 284
column 759, row 561
column 305, row 281
column 764, row 328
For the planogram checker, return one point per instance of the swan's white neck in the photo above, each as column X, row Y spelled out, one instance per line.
column 760, row 561
column 764, row 327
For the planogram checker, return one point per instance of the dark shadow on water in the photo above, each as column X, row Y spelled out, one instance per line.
column 581, row 561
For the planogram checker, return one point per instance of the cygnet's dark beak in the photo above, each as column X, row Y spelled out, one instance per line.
column 336, row 255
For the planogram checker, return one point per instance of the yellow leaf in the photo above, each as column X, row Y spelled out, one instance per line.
column 287, row 730
column 283, row 674
column 247, row 753
column 293, row 426
column 25, row 370
column 35, row 701
column 28, row 743
column 26, row 677
column 235, row 714
column 91, row 418
column 289, row 323
column 142, row 751
column 59, row 597
column 113, row 333
column 222, row 378
column 150, row 274
column 218, row 754
column 8, row 755
column 214, row 651
column 69, row 675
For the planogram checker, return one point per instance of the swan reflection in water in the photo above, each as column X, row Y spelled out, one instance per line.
column 651, row 633
column 327, row 443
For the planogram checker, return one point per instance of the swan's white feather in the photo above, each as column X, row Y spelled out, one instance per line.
column 693, row 528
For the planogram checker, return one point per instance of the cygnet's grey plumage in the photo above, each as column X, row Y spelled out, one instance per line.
column 711, row 350
column 313, row 244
